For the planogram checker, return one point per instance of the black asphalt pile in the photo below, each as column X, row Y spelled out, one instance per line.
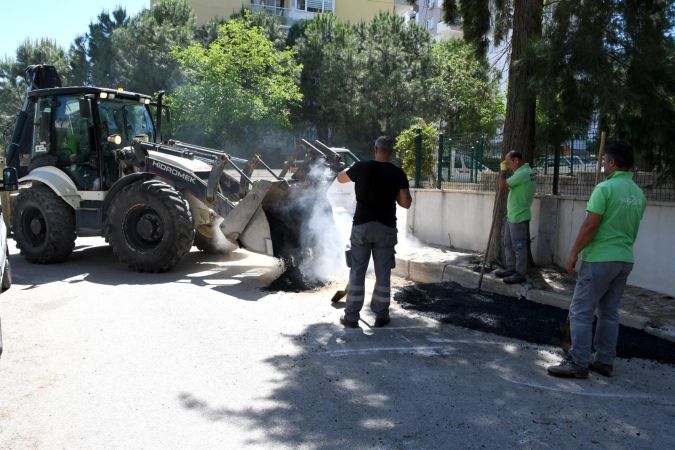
column 293, row 280
column 515, row 318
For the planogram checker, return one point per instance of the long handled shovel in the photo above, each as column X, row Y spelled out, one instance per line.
column 492, row 229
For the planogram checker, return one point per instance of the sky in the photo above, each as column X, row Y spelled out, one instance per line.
column 59, row 20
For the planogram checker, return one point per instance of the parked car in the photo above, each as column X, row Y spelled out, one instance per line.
column 567, row 164
column 5, row 271
column 462, row 168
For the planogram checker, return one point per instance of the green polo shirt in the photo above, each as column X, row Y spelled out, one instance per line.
column 522, row 185
column 621, row 203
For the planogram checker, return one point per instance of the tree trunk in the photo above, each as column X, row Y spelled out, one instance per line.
column 520, row 105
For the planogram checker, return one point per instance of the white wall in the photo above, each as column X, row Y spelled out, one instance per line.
column 462, row 220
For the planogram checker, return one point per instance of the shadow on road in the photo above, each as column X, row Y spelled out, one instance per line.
column 97, row 264
column 423, row 387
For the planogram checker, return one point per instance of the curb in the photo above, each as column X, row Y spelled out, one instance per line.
column 424, row 271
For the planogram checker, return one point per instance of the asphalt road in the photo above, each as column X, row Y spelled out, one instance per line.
column 100, row 357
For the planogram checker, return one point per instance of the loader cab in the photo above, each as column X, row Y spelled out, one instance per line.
column 62, row 137
column 78, row 130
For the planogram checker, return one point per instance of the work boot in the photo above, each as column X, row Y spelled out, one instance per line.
column 503, row 273
column 515, row 279
column 381, row 322
column 349, row 323
column 568, row 369
column 601, row 368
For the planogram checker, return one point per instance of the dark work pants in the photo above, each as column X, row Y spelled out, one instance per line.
column 515, row 246
column 598, row 292
column 366, row 239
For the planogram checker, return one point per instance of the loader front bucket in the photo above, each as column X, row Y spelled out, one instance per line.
column 301, row 222
column 290, row 219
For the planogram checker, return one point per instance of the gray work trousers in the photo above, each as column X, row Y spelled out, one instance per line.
column 598, row 291
column 379, row 240
column 515, row 246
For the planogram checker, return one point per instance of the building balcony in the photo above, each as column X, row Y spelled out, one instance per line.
column 291, row 11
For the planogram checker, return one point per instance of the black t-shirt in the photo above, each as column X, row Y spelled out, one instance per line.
column 377, row 187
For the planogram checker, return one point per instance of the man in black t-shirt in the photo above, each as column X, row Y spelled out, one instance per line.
column 379, row 185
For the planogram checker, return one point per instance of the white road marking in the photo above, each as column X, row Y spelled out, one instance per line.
column 418, row 349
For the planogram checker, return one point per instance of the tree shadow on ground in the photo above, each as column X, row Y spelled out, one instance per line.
column 417, row 387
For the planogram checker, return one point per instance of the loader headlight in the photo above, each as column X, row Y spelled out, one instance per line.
column 115, row 139
column 103, row 95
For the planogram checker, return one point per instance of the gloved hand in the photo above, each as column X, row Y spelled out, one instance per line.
column 503, row 166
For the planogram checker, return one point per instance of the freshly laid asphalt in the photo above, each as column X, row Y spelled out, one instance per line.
column 516, row 318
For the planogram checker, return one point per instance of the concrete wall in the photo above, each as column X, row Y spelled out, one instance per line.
column 462, row 220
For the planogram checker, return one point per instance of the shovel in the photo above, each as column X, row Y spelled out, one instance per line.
column 339, row 295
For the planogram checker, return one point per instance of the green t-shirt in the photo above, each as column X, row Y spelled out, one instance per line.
column 522, row 185
column 621, row 203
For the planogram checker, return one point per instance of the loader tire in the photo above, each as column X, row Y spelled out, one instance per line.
column 149, row 226
column 43, row 225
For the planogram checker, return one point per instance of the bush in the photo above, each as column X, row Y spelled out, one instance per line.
column 405, row 146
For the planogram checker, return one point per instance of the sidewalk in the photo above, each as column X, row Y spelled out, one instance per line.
column 640, row 308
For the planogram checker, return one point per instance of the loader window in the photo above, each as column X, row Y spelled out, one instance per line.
column 42, row 131
column 71, row 131
column 127, row 118
column 72, row 142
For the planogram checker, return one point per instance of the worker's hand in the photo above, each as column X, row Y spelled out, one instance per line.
column 571, row 264
column 503, row 166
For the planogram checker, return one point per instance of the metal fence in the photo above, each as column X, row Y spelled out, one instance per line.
column 466, row 162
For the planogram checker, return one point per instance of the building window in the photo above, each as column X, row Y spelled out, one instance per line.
column 430, row 24
column 314, row 5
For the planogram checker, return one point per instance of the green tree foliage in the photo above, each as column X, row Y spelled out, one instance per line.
column 397, row 66
column 12, row 83
column 143, row 56
column 134, row 53
column 328, row 52
column 270, row 23
column 92, row 55
column 363, row 80
column 407, row 150
column 613, row 62
column 236, row 87
column 481, row 20
column 466, row 94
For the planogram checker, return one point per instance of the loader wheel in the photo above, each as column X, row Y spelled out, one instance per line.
column 43, row 225
column 149, row 226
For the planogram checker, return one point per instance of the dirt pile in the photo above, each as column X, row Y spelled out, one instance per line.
column 293, row 280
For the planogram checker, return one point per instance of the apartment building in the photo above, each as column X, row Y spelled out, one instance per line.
column 290, row 11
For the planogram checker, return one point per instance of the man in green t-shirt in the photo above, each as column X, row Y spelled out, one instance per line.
column 521, row 186
column 606, row 237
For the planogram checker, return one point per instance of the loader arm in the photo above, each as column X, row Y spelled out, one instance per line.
column 270, row 216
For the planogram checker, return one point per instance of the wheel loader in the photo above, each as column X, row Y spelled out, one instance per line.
column 90, row 161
